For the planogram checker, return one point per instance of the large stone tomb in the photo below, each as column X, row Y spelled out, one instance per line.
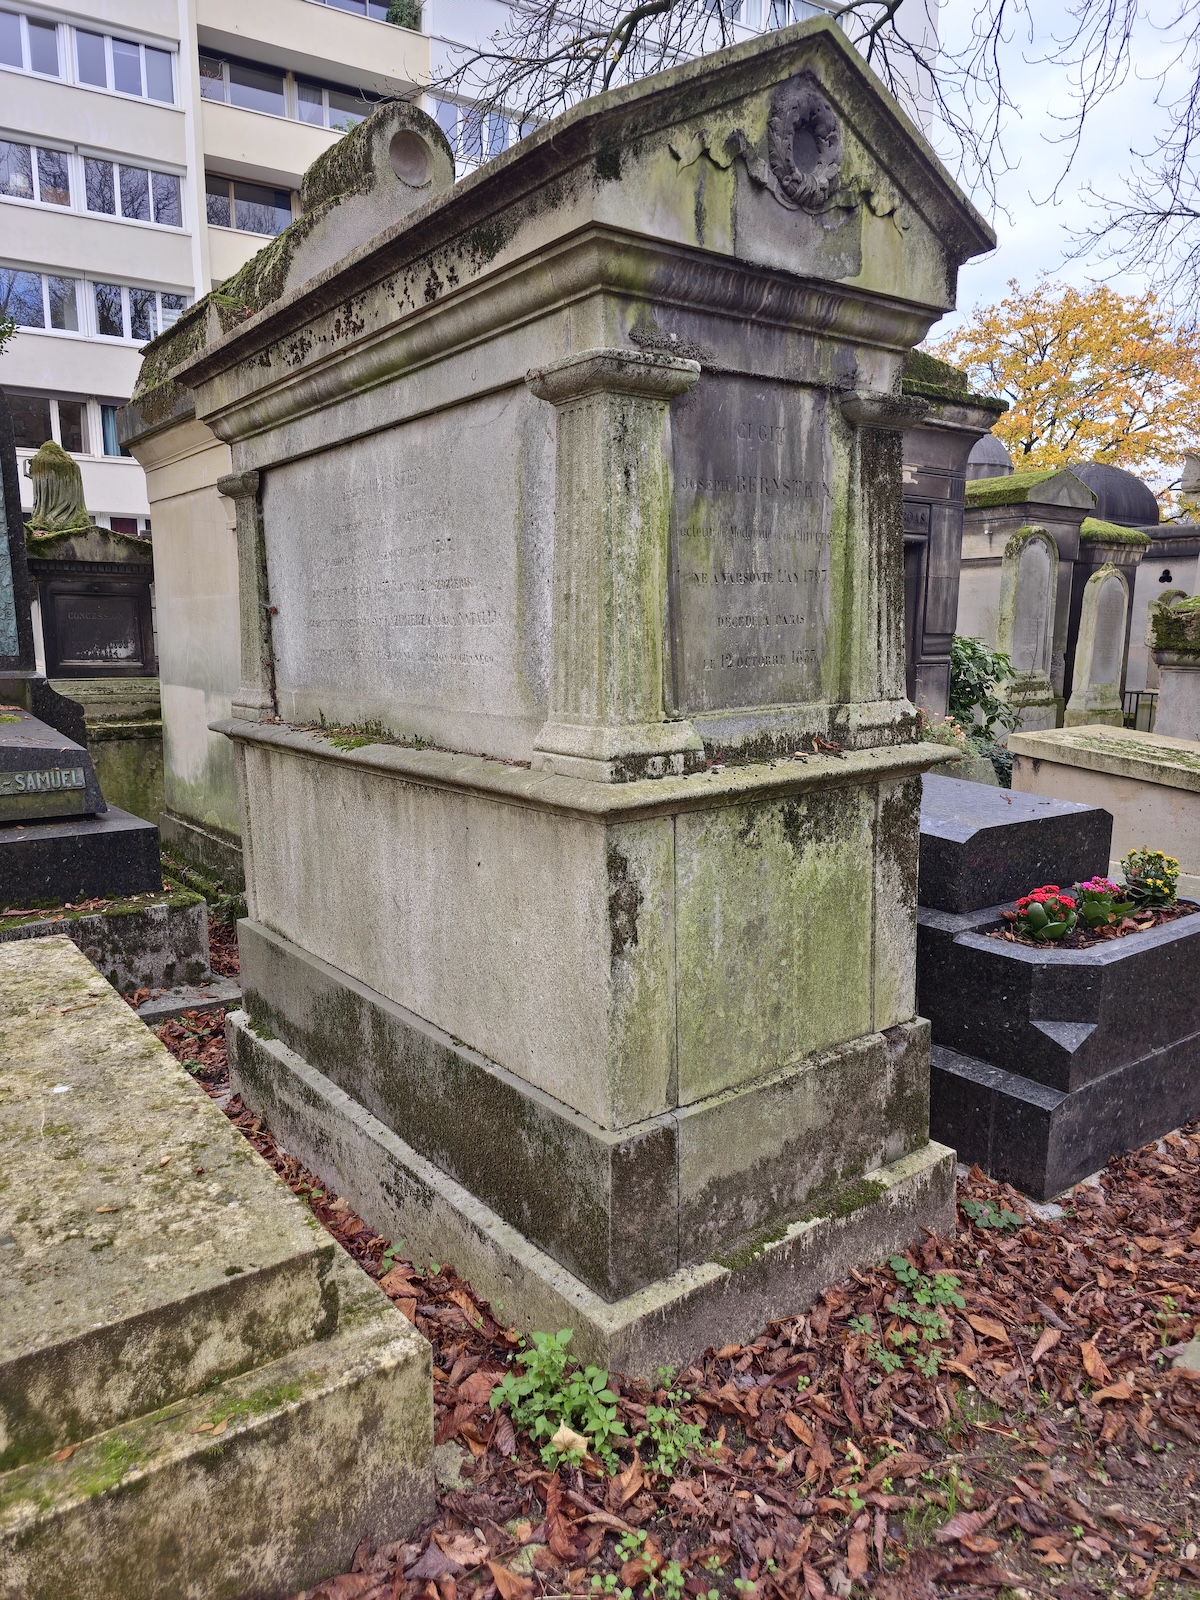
column 572, row 482
column 1046, row 1061
column 200, row 1394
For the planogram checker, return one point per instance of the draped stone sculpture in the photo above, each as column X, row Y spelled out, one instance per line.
column 57, row 492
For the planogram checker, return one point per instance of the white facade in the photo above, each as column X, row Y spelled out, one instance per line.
column 148, row 148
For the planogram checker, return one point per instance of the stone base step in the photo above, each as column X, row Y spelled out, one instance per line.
column 404, row 1196
column 194, row 997
column 160, row 1283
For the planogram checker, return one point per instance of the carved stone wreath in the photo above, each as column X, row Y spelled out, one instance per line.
column 801, row 116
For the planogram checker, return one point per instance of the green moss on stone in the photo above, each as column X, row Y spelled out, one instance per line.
column 830, row 1201
column 1009, row 490
column 1092, row 528
column 924, row 375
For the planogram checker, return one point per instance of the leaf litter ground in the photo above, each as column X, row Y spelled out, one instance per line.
column 1032, row 1440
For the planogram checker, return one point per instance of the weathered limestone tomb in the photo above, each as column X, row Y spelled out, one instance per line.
column 593, row 971
column 200, row 1393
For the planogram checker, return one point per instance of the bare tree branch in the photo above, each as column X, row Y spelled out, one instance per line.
column 550, row 54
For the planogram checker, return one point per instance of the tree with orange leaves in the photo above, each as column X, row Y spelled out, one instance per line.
column 1090, row 375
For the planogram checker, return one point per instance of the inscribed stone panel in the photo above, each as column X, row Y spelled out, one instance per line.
column 411, row 574
column 749, row 544
column 1110, row 632
column 1035, row 600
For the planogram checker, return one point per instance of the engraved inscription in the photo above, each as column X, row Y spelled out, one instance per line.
column 749, row 546
column 42, row 781
column 407, row 576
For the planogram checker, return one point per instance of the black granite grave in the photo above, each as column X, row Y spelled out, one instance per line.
column 1046, row 1061
column 58, row 840
column 981, row 845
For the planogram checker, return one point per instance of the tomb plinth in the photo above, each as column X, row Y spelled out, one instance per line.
column 580, row 781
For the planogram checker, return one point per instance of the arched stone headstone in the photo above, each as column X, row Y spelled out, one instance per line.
column 1025, row 627
column 1096, row 691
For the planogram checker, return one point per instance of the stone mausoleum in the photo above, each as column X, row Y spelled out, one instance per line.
column 580, row 781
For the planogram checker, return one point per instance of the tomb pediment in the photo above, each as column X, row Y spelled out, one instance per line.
column 783, row 154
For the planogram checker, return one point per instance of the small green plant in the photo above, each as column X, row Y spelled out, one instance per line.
column 610, row 1584
column 550, row 1393
column 921, row 1319
column 630, row 1543
column 1151, row 878
column 1045, row 914
column 1099, row 902
column 975, row 671
column 803, row 1382
column 405, row 14
column 986, row 1214
column 887, row 1359
column 670, row 1438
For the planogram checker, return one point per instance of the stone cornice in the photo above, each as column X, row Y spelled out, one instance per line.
column 618, row 802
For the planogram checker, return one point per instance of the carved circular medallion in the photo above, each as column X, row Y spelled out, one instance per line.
column 804, row 143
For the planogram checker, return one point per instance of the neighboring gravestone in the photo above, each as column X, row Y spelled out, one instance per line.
column 982, row 846
column 1025, row 627
column 1173, row 634
column 177, row 1333
column 935, row 460
column 1052, row 498
column 1099, row 652
column 550, row 496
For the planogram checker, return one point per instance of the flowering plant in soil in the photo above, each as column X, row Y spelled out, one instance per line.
column 1151, row 878
column 1099, row 902
column 1045, row 913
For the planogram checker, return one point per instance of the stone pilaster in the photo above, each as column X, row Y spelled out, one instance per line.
column 255, row 700
column 874, row 670
column 607, row 717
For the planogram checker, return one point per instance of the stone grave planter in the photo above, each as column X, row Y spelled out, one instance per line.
column 1048, row 1061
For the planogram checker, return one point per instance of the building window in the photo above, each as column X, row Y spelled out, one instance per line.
column 31, row 420
column 39, row 300
column 124, row 65
column 322, row 105
column 472, row 137
column 29, row 45
column 238, row 84
column 137, row 193
column 326, row 107
column 249, row 207
column 377, row 10
column 128, row 313
column 38, row 417
column 108, row 433
column 28, row 172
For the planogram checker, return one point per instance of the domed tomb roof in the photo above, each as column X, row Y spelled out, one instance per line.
column 1120, row 496
column 988, row 459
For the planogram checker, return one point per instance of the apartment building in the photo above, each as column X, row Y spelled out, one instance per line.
column 148, row 148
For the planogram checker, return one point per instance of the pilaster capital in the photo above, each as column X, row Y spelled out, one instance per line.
column 238, row 485
column 644, row 373
column 890, row 412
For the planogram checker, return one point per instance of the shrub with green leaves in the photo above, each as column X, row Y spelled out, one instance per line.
column 550, row 1391
column 975, row 671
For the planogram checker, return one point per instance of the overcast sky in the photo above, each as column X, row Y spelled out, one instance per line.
column 1035, row 235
